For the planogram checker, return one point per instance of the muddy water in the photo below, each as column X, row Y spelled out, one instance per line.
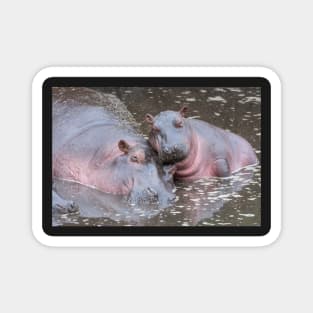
column 233, row 201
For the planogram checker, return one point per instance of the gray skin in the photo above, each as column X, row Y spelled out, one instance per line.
column 196, row 148
column 95, row 204
column 91, row 146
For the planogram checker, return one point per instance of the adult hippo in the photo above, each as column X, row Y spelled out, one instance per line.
column 197, row 148
column 94, row 144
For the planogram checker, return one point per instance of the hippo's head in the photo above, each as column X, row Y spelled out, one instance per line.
column 145, row 180
column 170, row 135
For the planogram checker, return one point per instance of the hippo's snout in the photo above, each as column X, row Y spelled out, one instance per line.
column 172, row 149
column 162, row 196
column 152, row 191
column 173, row 153
column 151, row 196
column 148, row 195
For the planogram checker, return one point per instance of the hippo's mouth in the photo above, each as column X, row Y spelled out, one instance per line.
column 173, row 154
column 170, row 158
column 150, row 198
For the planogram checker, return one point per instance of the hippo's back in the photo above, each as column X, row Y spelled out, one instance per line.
column 79, row 110
column 225, row 144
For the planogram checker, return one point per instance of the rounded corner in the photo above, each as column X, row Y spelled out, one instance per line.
column 42, row 76
column 270, row 76
column 271, row 236
column 41, row 236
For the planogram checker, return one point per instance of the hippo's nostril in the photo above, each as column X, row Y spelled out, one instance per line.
column 151, row 191
column 166, row 150
column 172, row 197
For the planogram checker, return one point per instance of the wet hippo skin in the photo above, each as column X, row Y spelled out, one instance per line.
column 196, row 148
column 94, row 147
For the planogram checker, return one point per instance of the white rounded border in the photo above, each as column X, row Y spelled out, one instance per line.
column 156, row 241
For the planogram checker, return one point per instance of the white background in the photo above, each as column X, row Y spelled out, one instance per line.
column 36, row 34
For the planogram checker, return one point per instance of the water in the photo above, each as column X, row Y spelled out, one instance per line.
column 232, row 201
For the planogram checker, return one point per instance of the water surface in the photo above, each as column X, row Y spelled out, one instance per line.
column 232, row 201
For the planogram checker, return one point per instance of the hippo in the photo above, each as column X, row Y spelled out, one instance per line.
column 207, row 196
column 94, row 146
column 98, row 205
column 196, row 148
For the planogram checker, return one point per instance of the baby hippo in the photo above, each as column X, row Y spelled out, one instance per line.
column 196, row 148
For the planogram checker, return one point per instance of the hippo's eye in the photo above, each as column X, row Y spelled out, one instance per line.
column 134, row 158
column 178, row 123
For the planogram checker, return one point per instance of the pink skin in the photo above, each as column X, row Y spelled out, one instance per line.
column 69, row 167
column 197, row 165
column 203, row 150
column 92, row 146
column 126, row 170
column 190, row 167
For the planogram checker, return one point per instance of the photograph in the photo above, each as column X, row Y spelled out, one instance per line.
column 156, row 156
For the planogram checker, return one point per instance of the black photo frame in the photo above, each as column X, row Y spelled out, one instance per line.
column 265, row 161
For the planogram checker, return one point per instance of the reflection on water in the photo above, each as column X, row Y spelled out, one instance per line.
column 98, row 208
column 212, row 201
column 198, row 203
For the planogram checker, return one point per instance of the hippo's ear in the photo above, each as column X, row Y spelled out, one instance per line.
column 123, row 146
column 183, row 111
column 149, row 118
